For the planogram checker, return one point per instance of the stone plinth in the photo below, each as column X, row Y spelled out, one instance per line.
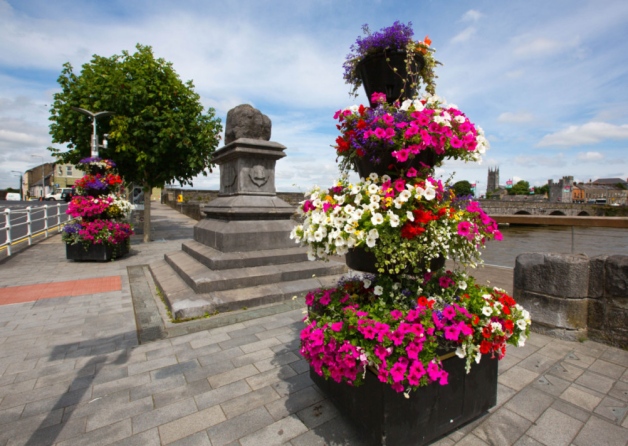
column 242, row 255
column 247, row 166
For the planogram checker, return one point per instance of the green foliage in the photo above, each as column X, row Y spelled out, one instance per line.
column 521, row 188
column 462, row 188
column 159, row 132
column 543, row 190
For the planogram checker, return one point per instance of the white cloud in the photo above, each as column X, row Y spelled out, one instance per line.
column 472, row 16
column 539, row 47
column 534, row 161
column 464, row 35
column 516, row 117
column 590, row 156
column 589, row 133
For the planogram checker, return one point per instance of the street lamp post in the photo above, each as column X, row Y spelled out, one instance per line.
column 94, row 116
column 43, row 175
column 20, row 173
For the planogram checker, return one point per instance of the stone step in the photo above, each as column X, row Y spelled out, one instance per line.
column 205, row 280
column 217, row 260
column 183, row 302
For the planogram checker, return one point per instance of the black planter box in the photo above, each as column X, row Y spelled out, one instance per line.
column 96, row 253
column 388, row 418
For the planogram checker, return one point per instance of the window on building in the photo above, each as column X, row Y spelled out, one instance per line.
column 68, row 170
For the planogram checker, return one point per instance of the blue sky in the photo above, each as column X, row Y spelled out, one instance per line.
column 546, row 80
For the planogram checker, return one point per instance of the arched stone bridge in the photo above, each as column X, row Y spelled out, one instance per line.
column 498, row 207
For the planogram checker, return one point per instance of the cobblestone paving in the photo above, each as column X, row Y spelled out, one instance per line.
column 72, row 372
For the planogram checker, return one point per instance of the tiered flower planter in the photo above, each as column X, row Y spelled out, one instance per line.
column 405, row 349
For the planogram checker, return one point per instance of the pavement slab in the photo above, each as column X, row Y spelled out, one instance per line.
column 91, row 357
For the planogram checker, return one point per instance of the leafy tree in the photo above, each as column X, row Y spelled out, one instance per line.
column 542, row 190
column 159, row 132
column 521, row 188
column 462, row 188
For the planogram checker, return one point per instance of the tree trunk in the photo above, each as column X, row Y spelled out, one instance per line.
column 147, row 192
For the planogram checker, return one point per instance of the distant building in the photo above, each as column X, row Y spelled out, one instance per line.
column 611, row 182
column 560, row 192
column 492, row 183
column 37, row 182
column 65, row 175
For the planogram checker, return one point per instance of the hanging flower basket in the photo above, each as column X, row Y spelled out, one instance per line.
column 388, row 164
column 386, row 72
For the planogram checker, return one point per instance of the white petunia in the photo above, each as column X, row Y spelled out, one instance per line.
column 487, row 311
column 373, row 233
column 366, row 282
column 311, row 255
column 522, row 324
column 373, row 176
column 394, row 219
column 405, row 105
column 404, row 196
column 378, row 290
column 462, row 285
column 373, row 189
column 370, row 242
column 377, row 219
column 375, row 199
column 410, row 215
column 430, row 191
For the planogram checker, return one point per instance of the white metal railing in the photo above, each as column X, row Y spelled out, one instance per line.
column 38, row 220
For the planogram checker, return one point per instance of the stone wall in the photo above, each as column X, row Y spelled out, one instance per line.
column 575, row 297
column 193, row 199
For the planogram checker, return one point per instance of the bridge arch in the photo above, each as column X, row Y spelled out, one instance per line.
column 583, row 214
column 522, row 213
column 557, row 213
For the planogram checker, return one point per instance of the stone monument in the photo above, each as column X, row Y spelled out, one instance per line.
column 242, row 254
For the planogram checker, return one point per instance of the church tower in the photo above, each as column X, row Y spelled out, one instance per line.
column 492, row 183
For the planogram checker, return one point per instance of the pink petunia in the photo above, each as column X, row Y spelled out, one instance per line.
column 464, row 228
column 401, row 155
column 336, row 326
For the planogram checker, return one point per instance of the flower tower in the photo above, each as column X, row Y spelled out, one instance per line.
column 99, row 229
column 415, row 342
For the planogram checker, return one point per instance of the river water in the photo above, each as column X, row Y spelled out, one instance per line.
column 556, row 239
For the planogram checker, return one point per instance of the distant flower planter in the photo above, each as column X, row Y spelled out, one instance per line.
column 431, row 412
column 386, row 72
column 96, row 253
column 98, row 231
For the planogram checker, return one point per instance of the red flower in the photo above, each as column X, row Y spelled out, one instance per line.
column 485, row 347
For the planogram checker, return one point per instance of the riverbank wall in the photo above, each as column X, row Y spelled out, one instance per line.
column 574, row 297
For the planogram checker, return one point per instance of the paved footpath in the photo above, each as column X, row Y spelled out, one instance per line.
column 72, row 371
